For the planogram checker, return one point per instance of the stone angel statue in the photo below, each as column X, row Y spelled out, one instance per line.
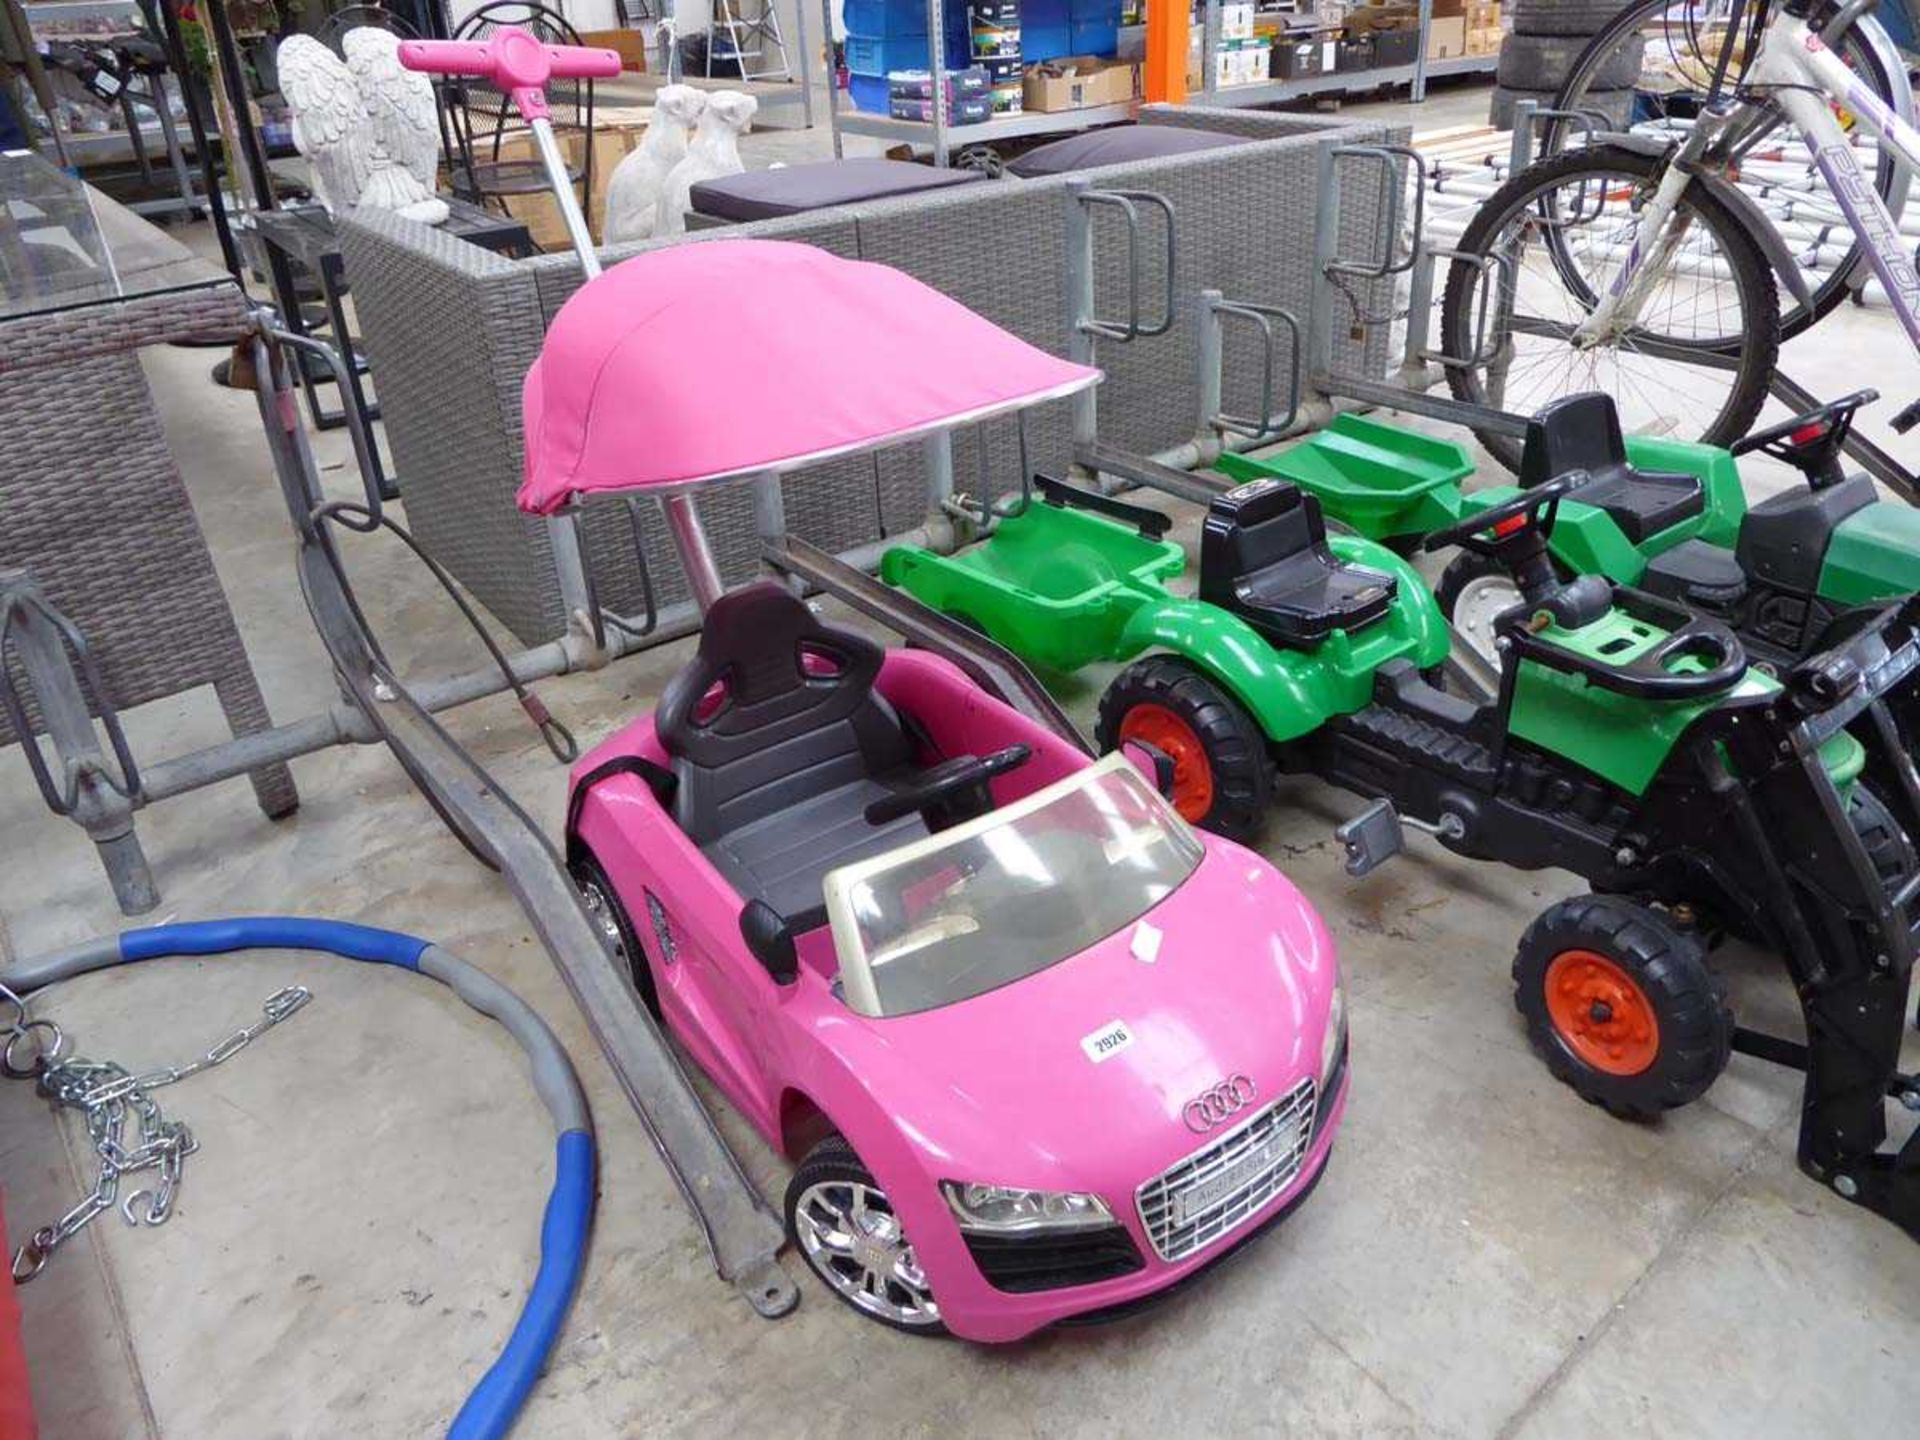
column 367, row 127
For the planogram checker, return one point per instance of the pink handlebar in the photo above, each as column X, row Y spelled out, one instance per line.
column 513, row 60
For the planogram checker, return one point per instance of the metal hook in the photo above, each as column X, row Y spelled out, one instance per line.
column 46, row 1056
column 30, row 1259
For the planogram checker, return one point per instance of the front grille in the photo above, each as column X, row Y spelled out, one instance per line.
column 1247, row 1167
column 1022, row 1264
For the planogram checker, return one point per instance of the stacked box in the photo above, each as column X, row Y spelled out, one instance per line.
column 1236, row 22
column 1081, row 82
column 1093, row 26
column 969, row 84
column 888, row 35
column 997, row 41
column 1483, row 27
column 1393, row 30
column 976, row 110
column 1301, row 54
column 1242, row 61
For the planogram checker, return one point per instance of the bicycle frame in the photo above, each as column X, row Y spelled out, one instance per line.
column 1806, row 79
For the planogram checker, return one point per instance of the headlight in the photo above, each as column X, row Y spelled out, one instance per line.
column 1335, row 1040
column 1003, row 1210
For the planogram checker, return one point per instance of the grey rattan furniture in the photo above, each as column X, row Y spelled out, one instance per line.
column 91, row 503
column 453, row 330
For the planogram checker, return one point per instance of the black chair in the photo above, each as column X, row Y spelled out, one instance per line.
column 333, row 29
column 475, row 115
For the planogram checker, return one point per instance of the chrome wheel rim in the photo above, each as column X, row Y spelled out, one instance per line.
column 1480, row 601
column 600, row 911
column 853, row 1241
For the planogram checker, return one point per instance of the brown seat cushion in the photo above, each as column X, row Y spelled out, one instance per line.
column 762, row 194
column 1116, row 146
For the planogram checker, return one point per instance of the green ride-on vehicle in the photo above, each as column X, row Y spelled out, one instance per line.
column 1631, row 743
column 1792, row 575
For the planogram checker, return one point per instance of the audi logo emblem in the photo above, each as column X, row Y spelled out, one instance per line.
column 1216, row 1103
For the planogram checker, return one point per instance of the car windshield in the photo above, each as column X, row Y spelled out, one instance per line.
column 1007, row 895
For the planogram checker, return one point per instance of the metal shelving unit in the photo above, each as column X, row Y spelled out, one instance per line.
column 1340, row 82
column 1354, row 82
column 937, row 133
column 943, row 138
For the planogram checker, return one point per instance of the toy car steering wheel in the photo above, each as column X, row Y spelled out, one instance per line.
column 948, row 787
column 1812, row 442
column 1532, row 510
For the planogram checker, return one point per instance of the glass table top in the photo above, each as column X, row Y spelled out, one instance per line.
column 64, row 245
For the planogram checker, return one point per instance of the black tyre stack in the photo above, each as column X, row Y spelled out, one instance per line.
column 1544, row 39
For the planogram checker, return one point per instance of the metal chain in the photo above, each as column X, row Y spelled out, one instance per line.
column 111, row 1096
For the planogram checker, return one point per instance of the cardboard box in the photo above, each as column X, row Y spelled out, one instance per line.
column 1446, row 38
column 631, row 44
column 1080, row 82
column 1365, row 19
column 1395, row 47
column 615, row 133
column 1484, row 42
column 1303, row 54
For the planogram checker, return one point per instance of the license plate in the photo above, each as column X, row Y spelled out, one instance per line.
column 1198, row 1199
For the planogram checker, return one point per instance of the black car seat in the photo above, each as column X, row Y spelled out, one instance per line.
column 1582, row 432
column 779, row 741
column 1264, row 557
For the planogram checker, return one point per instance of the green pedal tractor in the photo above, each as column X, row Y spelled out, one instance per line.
column 1792, row 575
column 1630, row 743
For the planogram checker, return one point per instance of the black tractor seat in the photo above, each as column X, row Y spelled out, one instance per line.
column 1264, row 557
column 1697, row 575
column 1784, row 539
column 1582, row 432
column 779, row 742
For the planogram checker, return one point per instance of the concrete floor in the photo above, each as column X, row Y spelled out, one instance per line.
column 1488, row 1256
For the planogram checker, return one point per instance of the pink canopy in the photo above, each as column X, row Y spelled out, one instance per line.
column 733, row 357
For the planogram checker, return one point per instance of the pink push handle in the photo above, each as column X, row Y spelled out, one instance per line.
column 513, row 60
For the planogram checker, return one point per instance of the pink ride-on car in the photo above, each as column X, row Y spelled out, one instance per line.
column 1039, row 1048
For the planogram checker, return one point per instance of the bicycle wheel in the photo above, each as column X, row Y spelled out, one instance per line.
column 1678, row 49
column 1545, row 246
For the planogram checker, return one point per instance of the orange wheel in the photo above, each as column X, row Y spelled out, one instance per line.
column 1601, row 1013
column 1222, row 774
column 1159, row 727
column 1620, row 1003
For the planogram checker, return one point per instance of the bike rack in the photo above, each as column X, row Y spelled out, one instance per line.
column 1172, row 471
column 1210, row 314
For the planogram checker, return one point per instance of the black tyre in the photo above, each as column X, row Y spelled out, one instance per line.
column 1543, row 62
column 610, row 918
column 1560, row 17
column 1621, row 1005
column 1564, row 225
column 1888, row 846
column 1487, row 590
column 1222, row 777
column 844, row 1225
column 1600, row 67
